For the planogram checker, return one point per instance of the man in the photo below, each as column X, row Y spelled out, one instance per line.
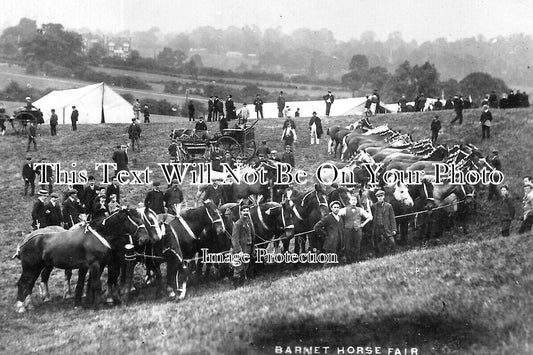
column 420, row 102
column 448, row 105
column 528, row 180
column 328, row 98
column 38, row 212
column 28, row 174
column 230, row 108
column 287, row 112
column 120, row 157
column 437, row 106
column 173, row 150
column 331, row 229
column 228, row 159
column 315, row 126
column 71, row 209
column 137, row 109
column 375, row 102
column 384, row 226
column 368, row 105
column 222, row 124
column 89, row 194
column 352, row 216
column 134, row 133
column 258, row 103
column 287, row 156
column 53, row 211
column 215, row 193
column 216, row 156
column 220, row 109
column 201, row 128
column 281, row 104
column 435, row 128
column 402, row 104
column 242, row 236
column 191, row 111
column 113, row 188
column 494, row 160
column 288, row 135
column 48, row 178
column 146, row 114
column 29, row 106
column 485, row 121
column 244, row 114
column 155, row 200
column 74, row 118
column 100, row 209
column 173, row 198
column 507, row 210
column 32, row 133
column 458, row 107
column 3, row 118
column 527, row 208
column 297, row 112
column 53, row 123
column 263, row 149
column 493, row 99
column 210, row 108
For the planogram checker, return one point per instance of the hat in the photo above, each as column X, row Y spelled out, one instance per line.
column 112, row 195
column 436, row 116
column 27, row 98
column 329, row 91
column 156, row 183
column 380, row 193
column 495, row 151
column 504, row 186
column 43, row 193
column 72, row 192
column 28, row 158
column 54, row 195
column 133, row 119
column 333, row 203
column 73, row 106
column 264, row 142
column 273, row 152
column 244, row 204
column 175, row 181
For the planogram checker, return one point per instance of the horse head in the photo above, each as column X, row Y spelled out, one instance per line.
column 281, row 215
column 213, row 214
column 124, row 221
column 400, row 193
column 152, row 223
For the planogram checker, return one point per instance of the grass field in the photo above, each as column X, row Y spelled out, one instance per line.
column 459, row 294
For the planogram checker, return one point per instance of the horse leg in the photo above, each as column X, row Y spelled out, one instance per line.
column 25, row 286
column 66, row 289
column 184, row 277
column 172, row 271
column 156, row 268
column 43, row 286
column 82, row 272
column 96, row 284
column 113, row 271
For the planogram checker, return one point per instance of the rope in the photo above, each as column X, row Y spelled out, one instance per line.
column 433, row 209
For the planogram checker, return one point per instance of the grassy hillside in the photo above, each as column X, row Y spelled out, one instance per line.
column 473, row 297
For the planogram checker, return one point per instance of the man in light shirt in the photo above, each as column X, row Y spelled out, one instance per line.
column 353, row 224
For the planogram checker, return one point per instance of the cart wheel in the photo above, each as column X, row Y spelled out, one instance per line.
column 229, row 144
column 249, row 150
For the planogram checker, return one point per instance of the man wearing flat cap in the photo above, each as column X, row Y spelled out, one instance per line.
column 242, row 236
column 155, row 200
column 215, row 193
column 71, row 209
column 53, row 211
column 328, row 98
column 384, row 226
column 38, row 214
column 331, row 229
column 74, row 118
column 174, row 198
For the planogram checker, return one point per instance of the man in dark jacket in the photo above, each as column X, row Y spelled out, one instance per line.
column 486, row 122
column 230, row 109
column 281, row 104
column 242, row 236
column 328, row 98
column 74, row 118
column 71, row 209
column 448, row 105
column 146, row 114
column 53, row 211
column 384, row 226
column 210, row 108
column 173, row 198
column 507, row 210
column 191, row 111
column 402, row 104
column 120, row 157
column 89, row 194
column 28, row 174
column 315, row 126
column 458, row 107
column 32, row 133
column 287, row 156
column 38, row 212
column 494, row 160
column 215, row 193
column 53, row 123
column 134, row 133
column 435, row 128
column 331, row 229
column 258, row 103
column 113, row 188
column 155, row 199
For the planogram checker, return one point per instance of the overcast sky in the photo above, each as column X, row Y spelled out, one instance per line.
column 415, row 19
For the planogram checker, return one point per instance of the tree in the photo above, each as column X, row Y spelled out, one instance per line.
column 352, row 80
column 377, row 77
column 52, row 43
column 479, row 84
column 359, row 62
column 170, row 58
column 96, row 53
column 13, row 36
column 426, row 79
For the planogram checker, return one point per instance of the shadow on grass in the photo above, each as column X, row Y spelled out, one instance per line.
column 429, row 332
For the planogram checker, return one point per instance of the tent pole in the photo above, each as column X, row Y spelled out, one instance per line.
column 103, row 92
column 63, row 115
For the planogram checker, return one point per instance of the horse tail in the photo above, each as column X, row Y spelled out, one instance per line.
column 17, row 253
column 344, row 145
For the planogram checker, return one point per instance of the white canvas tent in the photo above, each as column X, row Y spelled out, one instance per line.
column 96, row 103
column 340, row 107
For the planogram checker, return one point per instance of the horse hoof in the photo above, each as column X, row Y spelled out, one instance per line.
column 19, row 307
column 109, row 301
column 172, row 295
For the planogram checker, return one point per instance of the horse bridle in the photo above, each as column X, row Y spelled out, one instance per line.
column 218, row 220
column 262, row 221
column 295, row 209
column 129, row 218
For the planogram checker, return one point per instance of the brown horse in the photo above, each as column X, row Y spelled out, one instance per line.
column 85, row 247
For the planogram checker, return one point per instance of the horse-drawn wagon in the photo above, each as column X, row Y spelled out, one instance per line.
column 239, row 142
column 23, row 117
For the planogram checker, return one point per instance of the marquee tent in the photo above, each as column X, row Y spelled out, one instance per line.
column 96, row 103
column 340, row 107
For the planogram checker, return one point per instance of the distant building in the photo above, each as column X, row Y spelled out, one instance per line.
column 116, row 47
column 234, row 54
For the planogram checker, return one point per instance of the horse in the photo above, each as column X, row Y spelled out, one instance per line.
column 189, row 227
column 422, row 195
column 308, row 209
column 455, row 202
column 336, row 135
column 87, row 248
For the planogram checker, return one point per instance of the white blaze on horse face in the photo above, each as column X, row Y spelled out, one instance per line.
column 401, row 193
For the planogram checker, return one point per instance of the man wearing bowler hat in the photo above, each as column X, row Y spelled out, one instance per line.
column 74, row 118
column 53, row 211
column 384, row 226
column 71, row 209
column 174, row 198
column 28, row 174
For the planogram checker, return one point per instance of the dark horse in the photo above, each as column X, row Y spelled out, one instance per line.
column 189, row 227
column 308, row 209
column 87, row 248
